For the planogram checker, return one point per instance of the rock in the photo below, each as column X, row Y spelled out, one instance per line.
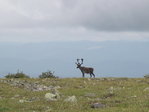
column 24, row 100
column 97, row 105
column 56, row 92
column 21, row 101
column 28, row 85
column 85, row 82
column 71, row 99
column 51, row 97
column 110, row 90
column 133, row 96
column 146, row 89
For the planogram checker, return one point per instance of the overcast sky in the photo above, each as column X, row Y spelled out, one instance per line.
column 111, row 35
column 73, row 20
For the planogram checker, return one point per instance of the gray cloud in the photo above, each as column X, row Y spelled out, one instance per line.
column 74, row 19
column 99, row 14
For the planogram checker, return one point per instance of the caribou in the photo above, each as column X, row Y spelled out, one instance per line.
column 87, row 70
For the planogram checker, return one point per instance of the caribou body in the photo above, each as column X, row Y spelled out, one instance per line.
column 87, row 70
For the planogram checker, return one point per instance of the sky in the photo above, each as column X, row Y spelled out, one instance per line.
column 103, row 26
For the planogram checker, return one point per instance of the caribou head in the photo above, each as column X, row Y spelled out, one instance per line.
column 87, row 70
column 78, row 63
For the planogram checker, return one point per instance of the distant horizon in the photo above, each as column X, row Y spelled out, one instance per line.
column 109, row 59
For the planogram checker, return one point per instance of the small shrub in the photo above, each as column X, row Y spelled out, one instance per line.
column 146, row 76
column 47, row 74
column 17, row 75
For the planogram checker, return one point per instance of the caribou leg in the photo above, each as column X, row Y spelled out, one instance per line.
column 93, row 75
column 90, row 75
column 82, row 74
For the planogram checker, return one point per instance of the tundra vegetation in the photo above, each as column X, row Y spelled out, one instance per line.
column 74, row 95
column 48, row 74
column 146, row 76
column 17, row 75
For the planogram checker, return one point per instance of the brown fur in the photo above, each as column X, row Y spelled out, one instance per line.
column 86, row 70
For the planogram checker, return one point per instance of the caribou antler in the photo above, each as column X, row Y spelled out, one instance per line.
column 78, row 60
column 82, row 61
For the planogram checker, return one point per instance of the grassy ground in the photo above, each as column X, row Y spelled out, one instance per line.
column 117, row 94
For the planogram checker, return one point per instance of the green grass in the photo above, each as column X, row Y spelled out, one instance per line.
column 128, row 95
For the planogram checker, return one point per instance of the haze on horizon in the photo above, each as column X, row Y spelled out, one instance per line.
column 112, row 36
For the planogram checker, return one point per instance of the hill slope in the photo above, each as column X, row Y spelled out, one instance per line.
column 74, row 95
